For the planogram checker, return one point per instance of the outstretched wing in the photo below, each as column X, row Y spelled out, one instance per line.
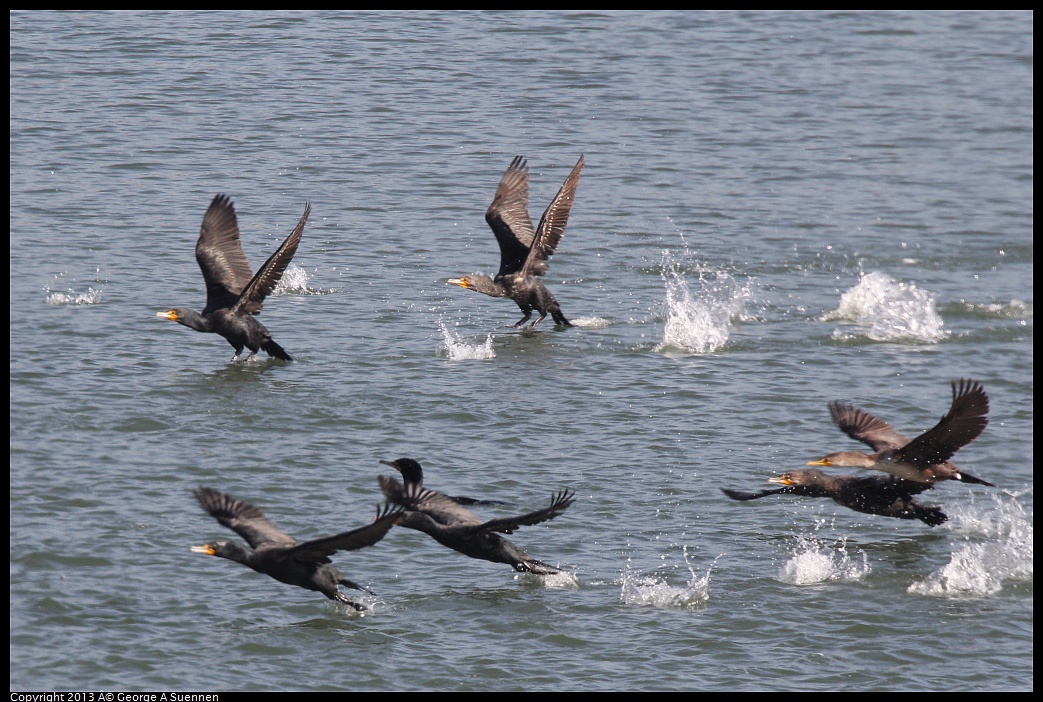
column 864, row 427
column 269, row 275
column 241, row 517
column 441, row 508
column 508, row 217
column 219, row 253
column 508, row 525
column 965, row 421
column 552, row 224
column 744, row 496
column 316, row 549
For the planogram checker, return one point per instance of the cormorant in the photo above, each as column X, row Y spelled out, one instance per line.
column 924, row 459
column 884, row 495
column 276, row 554
column 234, row 294
column 524, row 252
column 453, row 526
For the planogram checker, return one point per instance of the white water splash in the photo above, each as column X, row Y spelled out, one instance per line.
column 998, row 548
column 456, row 349
column 294, row 281
column 91, row 297
column 1015, row 309
column 699, row 313
column 591, row 322
column 889, row 311
column 651, row 590
column 815, row 561
column 557, row 581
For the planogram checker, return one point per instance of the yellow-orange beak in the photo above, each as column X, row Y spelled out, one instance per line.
column 169, row 314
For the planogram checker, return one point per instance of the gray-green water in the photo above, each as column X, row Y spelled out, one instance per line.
column 778, row 210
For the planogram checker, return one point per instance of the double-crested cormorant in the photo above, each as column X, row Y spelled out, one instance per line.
column 234, row 294
column 413, row 474
column 276, row 554
column 884, row 495
column 925, row 459
column 524, row 252
column 453, row 526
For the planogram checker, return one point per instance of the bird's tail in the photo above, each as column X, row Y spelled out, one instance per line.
column 971, row 479
column 275, row 350
column 559, row 318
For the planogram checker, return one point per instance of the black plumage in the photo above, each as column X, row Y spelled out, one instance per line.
column 924, row 459
column 882, row 495
column 452, row 525
column 274, row 553
column 234, row 295
column 523, row 250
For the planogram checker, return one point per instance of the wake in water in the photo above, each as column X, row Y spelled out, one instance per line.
column 651, row 590
column 91, row 297
column 889, row 311
column 699, row 313
column 591, row 322
column 998, row 548
column 456, row 349
column 816, row 561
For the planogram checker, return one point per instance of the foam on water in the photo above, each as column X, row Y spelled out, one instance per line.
column 699, row 313
column 656, row 591
column 591, row 322
column 998, row 547
column 555, row 581
column 888, row 310
column 294, row 281
column 456, row 349
column 1015, row 309
column 815, row 561
column 91, row 297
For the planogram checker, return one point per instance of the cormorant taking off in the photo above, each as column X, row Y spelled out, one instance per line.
column 925, row 459
column 523, row 251
column 884, row 495
column 453, row 526
column 276, row 554
column 234, row 294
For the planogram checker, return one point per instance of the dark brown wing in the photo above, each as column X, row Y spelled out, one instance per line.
column 508, row 525
column 965, row 421
column 745, row 496
column 220, row 255
column 317, row 549
column 552, row 224
column 441, row 508
column 864, row 427
column 269, row 275
column 508, row 217
column 242, row 517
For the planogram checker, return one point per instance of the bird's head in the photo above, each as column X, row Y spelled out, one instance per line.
column 808, row 477
column 410, row 469
column 208, row 549
column 844, row 459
